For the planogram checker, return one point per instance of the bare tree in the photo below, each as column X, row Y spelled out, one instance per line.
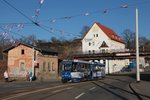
column 31, row 39
column 144, row 44
column 84, row 30
column 129, row 38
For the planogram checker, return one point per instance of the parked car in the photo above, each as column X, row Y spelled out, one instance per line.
column 126, row 69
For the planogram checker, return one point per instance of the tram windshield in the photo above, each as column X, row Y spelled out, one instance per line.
column 67, row 67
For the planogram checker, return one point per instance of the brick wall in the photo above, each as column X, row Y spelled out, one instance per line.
column 48, row 67
column 17, row 58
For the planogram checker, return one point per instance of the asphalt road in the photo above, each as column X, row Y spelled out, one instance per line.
column 111, row 88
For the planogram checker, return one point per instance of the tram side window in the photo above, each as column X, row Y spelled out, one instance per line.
column 87, row 70
column 82, row 67
column 75, row 67
column 67, row 67
column 78, row 67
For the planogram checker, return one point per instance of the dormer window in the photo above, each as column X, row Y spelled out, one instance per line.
column 116, row 37
column 22, row 51
column 112, row 36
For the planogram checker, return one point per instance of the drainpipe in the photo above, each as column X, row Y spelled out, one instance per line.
column 108, row 67
column 32, row 61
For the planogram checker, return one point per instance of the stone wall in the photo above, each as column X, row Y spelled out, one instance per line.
column 3, row 67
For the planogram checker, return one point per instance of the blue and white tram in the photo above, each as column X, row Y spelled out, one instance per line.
column 77, row 70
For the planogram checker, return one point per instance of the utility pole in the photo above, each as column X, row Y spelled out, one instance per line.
column 137, row 49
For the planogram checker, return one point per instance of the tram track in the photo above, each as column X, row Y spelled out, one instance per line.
column 56, row 89
column 27, row 91
column 120, row 88
column 130, row 86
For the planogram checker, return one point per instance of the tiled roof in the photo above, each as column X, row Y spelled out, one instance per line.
column 110, row 33
column 42, row 50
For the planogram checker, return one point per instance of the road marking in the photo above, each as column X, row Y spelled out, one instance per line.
column 79, row 95
column 35, row 91
column 61, row 90
column 92, row 88
column 40, row 90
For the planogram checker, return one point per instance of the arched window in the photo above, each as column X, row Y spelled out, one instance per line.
column 49, row 67
column 22, row 51
column 22, row 66
column 44, row 63
column 53, row 67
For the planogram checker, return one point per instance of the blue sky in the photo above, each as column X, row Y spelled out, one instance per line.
column 116, row 18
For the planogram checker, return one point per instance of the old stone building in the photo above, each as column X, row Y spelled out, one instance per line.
column 23, row 58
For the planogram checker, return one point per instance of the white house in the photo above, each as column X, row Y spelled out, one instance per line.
column 101, row 39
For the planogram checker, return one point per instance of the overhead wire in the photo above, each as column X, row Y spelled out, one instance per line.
column 38, row 12
column 52, row 20
column 70, row 17
column 8, row 31
column 57, row 30
column 34, row 22
column 18, row 10
column 5, row 30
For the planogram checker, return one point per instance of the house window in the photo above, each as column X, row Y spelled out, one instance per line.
column 103, row 50
column 93, row 43
column 22, row 66
column 89, row 43
column 53, row 69
column 44, row 63
column 93, row 51
column 49, row 67
column 22, row 51
column 89, row 51
column 96, row 35
column 106, row 50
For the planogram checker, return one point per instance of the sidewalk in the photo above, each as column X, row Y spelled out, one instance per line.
column 26, row 84
column 21, row 82
column 142, row 88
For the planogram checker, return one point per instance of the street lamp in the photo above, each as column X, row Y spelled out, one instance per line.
column 137, row 45
column 137, row 49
